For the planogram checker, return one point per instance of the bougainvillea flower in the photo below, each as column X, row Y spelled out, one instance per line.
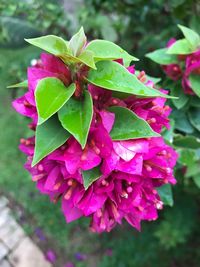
column 173, row 71
column 131, row 169
column 107, row 179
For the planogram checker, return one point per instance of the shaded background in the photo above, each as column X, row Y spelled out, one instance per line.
column 138, row 26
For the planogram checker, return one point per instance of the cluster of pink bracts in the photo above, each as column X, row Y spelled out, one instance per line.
column 187, row 65
column 131, row 170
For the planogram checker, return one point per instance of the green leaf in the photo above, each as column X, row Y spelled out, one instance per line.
column 192, row 170
column 87, row 57
column 161, row 57
column 14, row 30
column 196, row 180
column 191, row 36
column 50, row 95
column 113, row 76
column 129, row 126
column 168, row 135
column 49, row 136
column 76, row 116
column 187, row 142
column 187, row 156
column 194, row 117
column 21, row 84
column 195, row 83
column 50, row 43
column 165, row 193
column 180, row 47
column 182, row 99
column 106, row 50
column 195, row 102
column 182, row 122
column 90, row 176
column 77, row 42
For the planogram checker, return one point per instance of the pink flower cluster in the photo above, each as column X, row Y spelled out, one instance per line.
column 131, row 169
column 187, row 64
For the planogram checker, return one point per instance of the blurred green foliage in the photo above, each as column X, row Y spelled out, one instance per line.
column 139, row 26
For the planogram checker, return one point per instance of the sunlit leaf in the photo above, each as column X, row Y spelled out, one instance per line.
column 191, row 36
column 161, row 57
column 105, row 50
column 51, row 94
column 113, row 76
column 180, row 47
column 129, row 126
column 50, row 43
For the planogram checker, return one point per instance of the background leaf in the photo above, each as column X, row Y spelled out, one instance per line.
column 187, row 142
column 191, row 36
column 182, row 100
column 161, row 57
column 15, row 30
column 165, row 193
column 195, row 83
column 180, row 47
column 194, row 116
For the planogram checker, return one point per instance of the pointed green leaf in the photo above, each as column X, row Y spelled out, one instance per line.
column 160, row 56
column 182, row 99
column 50, row 95
column 90, row 176
column 196, row 180
column 129, row 126
column 50, row 43
column 165, row 193
column 187, row 157
column 105, row 50
column 59, row 47
column 191, row 36
column 49, row 136
column 187, row 142
column 194, row 117
column 195, row 83
column 113, row 76
column 77, row 42
column 76, row 116
column 87, row 57
column 182, row 122
column 180, row 47
column 192, row 170
column 21, row 84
